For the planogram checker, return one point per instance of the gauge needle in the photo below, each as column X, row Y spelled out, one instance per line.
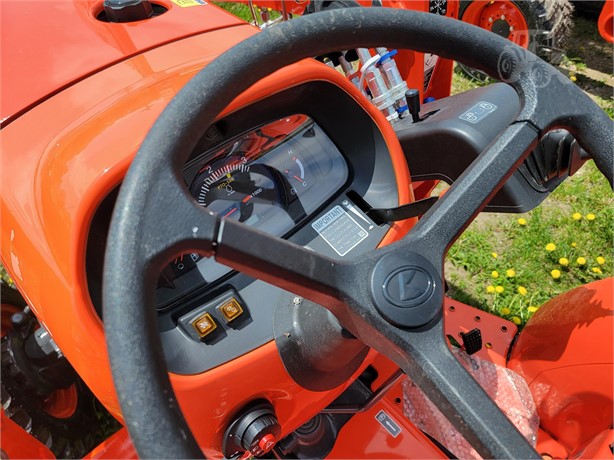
column 298, row 178
column 230, row 212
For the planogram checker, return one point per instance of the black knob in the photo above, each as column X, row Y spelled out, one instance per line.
column 413, row 103
column 22, row 323
column 254, row 429
column 19, row 319
column 127, row 10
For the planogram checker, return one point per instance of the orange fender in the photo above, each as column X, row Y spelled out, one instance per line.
column 606, row 22
column 565, row 354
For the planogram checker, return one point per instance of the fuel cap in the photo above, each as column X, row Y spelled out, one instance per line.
column 128, row 10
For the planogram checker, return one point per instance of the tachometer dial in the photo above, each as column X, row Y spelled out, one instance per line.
column 236, row 190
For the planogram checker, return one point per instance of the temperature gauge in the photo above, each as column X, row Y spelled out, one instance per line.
column 295, row 170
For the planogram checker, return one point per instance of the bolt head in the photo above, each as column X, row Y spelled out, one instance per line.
column 18, row 318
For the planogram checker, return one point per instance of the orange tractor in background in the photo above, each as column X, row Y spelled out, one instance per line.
column 541, row 26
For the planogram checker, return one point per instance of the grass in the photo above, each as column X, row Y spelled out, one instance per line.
column 4, row 276
column 576, row 220
column 242, row 11
column 238, row 9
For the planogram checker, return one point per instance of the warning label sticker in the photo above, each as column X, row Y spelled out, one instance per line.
column 186, row 3
column 340, row 230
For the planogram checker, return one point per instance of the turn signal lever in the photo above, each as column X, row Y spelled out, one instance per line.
column 557, row 155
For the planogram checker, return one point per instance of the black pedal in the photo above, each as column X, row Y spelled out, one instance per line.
column 472, row 341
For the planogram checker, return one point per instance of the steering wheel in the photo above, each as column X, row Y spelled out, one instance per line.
column 390, row 298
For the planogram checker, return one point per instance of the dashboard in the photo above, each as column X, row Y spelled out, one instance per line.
column 271, row 178
column 301, row 165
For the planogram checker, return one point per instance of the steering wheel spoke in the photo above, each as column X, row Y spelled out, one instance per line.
column 175, row 223
column 445, row 221
column 424, row 356
column 320, row 279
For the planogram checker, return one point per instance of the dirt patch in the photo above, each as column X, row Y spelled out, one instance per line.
column 589, row 60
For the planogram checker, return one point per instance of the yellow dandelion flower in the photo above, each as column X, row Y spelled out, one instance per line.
column 550, row 247
column 573, row 78
column 596, row 270
column 495, row 274
column 564, row 261
column 591, row 216
column 576, row 216
column 522, row 222
column 490, row 289
column 574, row 244
column 516, row 320
column 556, row 274
column 494, row 255
column 522, row 290
column 600, row 260
column 532, row 309
column 510, row 273
column 499, row 289
column 505, row 311
column 581, row 261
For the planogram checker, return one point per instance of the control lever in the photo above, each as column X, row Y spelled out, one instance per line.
column 413, row 103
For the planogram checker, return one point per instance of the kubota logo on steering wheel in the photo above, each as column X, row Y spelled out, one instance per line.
column 408, row 286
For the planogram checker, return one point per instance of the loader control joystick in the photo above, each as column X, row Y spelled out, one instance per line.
column 413, row 103
column 254, row 431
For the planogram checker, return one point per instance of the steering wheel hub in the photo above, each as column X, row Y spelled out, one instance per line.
column 406, row 289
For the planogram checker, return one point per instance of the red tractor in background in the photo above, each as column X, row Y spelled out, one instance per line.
column 257, row 370
column 541, row 26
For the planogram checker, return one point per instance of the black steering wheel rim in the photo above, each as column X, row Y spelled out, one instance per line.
column 153, row 418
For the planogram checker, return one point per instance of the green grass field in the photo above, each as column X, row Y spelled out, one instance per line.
column 511, row 264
